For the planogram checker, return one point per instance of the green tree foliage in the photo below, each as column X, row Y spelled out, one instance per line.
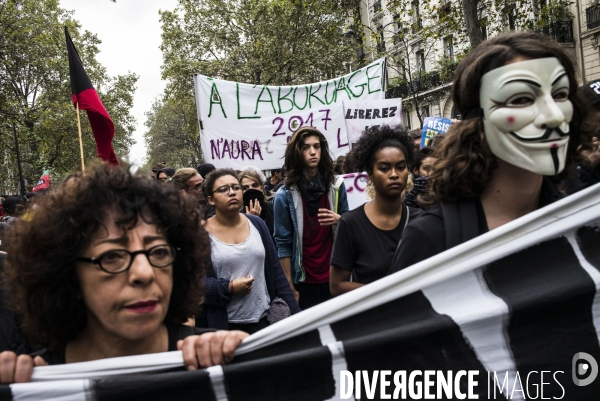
column 266, row 42
column 35, row 93
column 415, row 41
column 172, row 134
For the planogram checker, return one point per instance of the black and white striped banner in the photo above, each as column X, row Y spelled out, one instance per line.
column 512, row 314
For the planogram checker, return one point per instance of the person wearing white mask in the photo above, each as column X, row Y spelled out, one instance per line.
column 523, row 122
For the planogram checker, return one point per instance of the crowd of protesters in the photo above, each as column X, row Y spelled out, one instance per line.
column 111, row 264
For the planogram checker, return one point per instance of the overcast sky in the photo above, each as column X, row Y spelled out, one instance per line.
column 130, row 35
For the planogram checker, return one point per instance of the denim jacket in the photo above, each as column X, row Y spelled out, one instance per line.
column 289, row 222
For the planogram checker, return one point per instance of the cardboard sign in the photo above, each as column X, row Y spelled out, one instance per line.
column 433, row 126
column 361, row 114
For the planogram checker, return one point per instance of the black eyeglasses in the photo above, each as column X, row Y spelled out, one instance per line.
column 120, row 260
column 224, row 189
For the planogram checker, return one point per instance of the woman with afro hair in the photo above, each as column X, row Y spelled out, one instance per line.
column 367, row 236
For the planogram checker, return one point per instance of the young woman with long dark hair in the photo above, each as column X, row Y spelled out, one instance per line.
column 307, row 210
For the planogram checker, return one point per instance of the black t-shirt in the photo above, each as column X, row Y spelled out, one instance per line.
column 364, row 249
column 425, row 237
column 175, row 333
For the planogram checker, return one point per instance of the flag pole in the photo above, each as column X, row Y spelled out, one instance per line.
column 80, row 140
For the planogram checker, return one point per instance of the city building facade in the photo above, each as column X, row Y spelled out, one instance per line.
column 424, row 40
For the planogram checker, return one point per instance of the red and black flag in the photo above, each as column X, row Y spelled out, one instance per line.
column 84, row 93
column 44, row 181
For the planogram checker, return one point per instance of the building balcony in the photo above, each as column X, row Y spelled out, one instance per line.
column 422, row 82
column 593, row 17
column 561, row 31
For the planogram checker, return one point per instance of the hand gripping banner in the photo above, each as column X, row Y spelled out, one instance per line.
column 512, row 314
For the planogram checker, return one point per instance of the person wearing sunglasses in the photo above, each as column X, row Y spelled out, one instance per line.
column 110, row 265
column 246, row 288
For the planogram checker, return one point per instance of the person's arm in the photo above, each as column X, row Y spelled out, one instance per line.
column 283, row 227
column 284, row 237
column 287, row 270
column 344, row 256
column 343, row 206
column 339, row 281
column 284, row 289
column 216, row 291
column 286, row 265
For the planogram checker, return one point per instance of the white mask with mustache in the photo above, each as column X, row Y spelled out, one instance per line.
column 527, row 114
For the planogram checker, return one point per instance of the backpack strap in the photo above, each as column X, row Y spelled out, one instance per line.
column 460, row 222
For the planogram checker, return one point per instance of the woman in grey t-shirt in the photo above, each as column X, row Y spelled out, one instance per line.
column 237, row 253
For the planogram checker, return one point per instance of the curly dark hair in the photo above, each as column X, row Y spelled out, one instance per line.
column 421, row 155
column 294, row 164
column 40, row 278
column 362, row 155
column 465, row 162
column 209, row 181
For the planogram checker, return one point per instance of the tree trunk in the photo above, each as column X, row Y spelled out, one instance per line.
column 472, row 22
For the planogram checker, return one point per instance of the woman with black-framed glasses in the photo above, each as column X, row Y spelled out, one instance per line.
column 110, row 265
column 119, row 260
column 246, row 289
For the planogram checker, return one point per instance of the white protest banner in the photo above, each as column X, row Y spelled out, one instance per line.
column 243, row 124
column 360, row 114
column 356, row 186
